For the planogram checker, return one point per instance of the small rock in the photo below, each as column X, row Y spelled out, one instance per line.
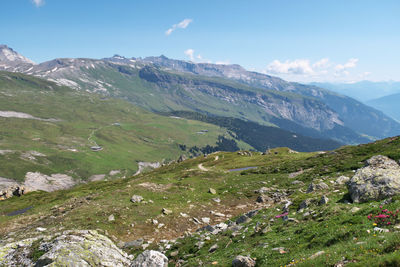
column 212, row 191
column 342, row 179
column 133, row 244
column 381, row 230
column 313, row 187
column 213, row 248
column 242, row 219
column 184, row 215
column 305, row 204
column 216, row 200
column 111, row 218
column 154, row 221
column 195, row 220
column 205, row 220
column 150, row 258
column 136, row 199
column 262, row 190
column 242, row 261
column 166, row 211
column 324, row 200
column 174, row 253
column 41, row 229
column 319, row 253
column 354, row 209
column 263, row 199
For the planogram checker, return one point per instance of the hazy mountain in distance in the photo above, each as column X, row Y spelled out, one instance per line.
column 364, row 90
column 390, row 105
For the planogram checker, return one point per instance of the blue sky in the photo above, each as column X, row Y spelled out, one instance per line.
column 299, row 40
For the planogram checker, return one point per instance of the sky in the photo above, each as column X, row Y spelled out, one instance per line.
column 298, row 40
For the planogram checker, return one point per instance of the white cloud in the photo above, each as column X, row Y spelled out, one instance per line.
column 190, row 53
column 38, row 3
column 351, row 63
column 298, row 66
column 181, row 25
column 322, row 64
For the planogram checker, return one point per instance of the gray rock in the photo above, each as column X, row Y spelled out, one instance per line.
column 133, row 244
column 182, row 158
column 166, row 211
column 212, row 191
column 242, row 261
column 305, row 204
column 324, row 200
column 379, row 179
column 150, row 258
column 213, row 248
column 314, row 187
column 242, row 219
column 342, row 179
column 263, row 199
column 136, row 199
column 111, row 218
column 70, row 248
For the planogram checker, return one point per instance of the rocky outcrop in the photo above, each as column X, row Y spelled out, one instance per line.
column 9, row 188
column 379, row 179
column 74, row 248
column 150, row 258
column 38, row 181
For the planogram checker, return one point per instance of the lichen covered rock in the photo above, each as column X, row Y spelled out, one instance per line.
column 150, row 258
column 379, row 179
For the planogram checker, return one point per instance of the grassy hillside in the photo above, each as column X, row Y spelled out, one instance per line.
column 343, row 233
column 67, row 123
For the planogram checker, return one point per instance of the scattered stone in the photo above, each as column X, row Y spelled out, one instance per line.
column 242, row 261
column 195, row 220
column 262, row 190
column 243, row 219
column 342, row 179
column 136, row 199
column 133, row 244
column 111, row 218
column 166, row 211
column 379, row 179
column 324, row 200
column 216, row 200
column 212, row 191
column 182, row 158
column 354, row 209
column 205, row 220
column 305, row 204
column 263, row 199
column 41, row 229
column 319, row 253
column 213, row 248
column 314, row 187
column 381, row 230
column 150, row 258
column 154, row 221
column 184, row 215
column 297, row 182
column 174, row 253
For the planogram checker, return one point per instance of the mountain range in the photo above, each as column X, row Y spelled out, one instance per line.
column 161, row 84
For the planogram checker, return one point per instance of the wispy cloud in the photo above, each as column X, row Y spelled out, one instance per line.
column 181, row 25
column 304, row 69
column 197, row 58
column 297, row 66
column 190, row 53
column 38, row 3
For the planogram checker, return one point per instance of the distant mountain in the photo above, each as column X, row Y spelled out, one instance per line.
column 163, row 84
column 390, row 105
column 364, row 90
column 354, row 114
column 12, row 61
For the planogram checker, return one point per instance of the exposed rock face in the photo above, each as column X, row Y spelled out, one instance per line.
column 38, row 181
column 242, row 261
column 150, row 258
column 71, row 248
column 9, row 188
column 379, row 179
column 342, row 179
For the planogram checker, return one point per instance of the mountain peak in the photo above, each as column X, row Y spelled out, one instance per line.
column 10, row 58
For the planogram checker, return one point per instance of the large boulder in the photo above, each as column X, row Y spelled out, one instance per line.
column 70, row 248
column 379, row 179
column 150, row 258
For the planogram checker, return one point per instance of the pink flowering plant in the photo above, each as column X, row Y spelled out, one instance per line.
column 384, row 217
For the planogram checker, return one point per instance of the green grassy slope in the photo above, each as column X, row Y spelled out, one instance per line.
column 84, row 119
column 342, row 234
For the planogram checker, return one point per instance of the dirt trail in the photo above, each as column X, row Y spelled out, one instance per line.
column 202, row 168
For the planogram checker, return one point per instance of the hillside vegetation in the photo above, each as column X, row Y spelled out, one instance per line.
column 182, row 197
column 59, row 126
